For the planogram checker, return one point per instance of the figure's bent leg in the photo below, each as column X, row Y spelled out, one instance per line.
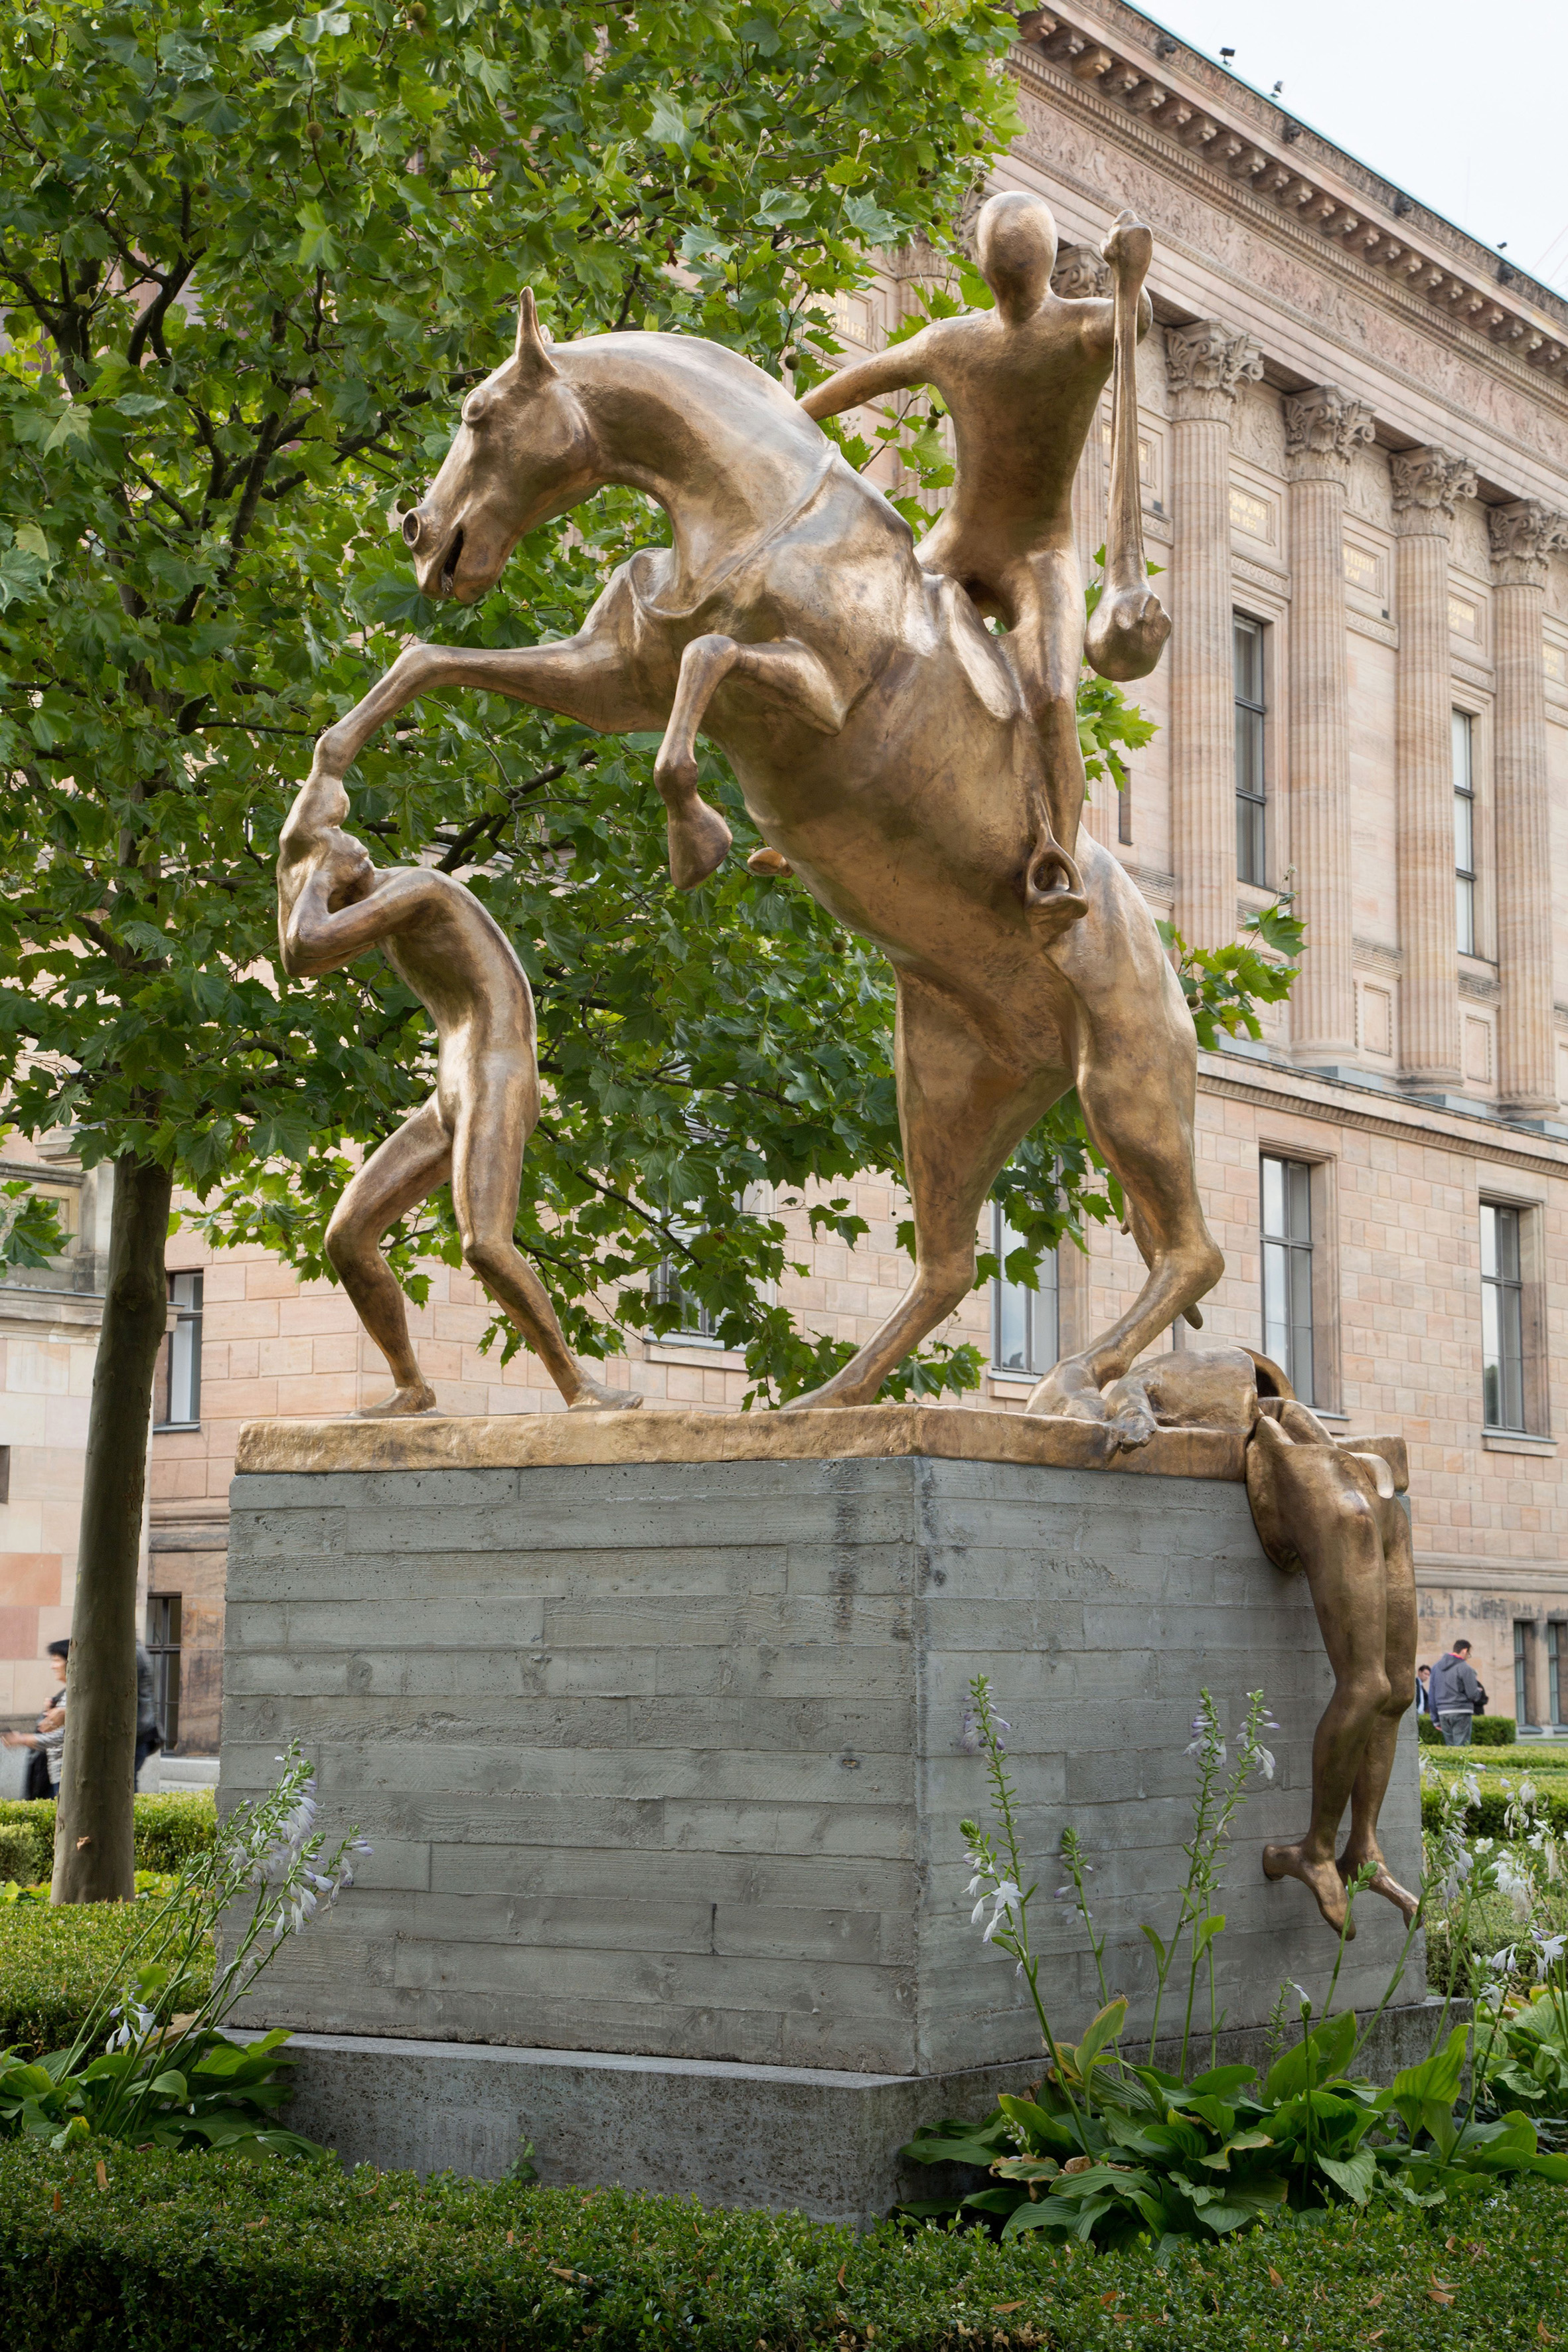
column 962, row 1111
column 1045, row 647
column 786, row 672
column 1137, row 1088
column 495, row 1119
column 407, row 1166
column 1399, row 1662
column 1312, row 1509
column 586, row 677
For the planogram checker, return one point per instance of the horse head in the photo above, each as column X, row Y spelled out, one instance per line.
column 524, row 453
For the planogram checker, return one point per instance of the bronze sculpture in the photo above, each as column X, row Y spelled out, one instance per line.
column 887, row 747
column 334, row 905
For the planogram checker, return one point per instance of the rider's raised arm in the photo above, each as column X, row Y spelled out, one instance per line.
column 899, row 369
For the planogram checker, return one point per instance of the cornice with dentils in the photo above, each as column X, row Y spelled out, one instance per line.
column 1218, row 129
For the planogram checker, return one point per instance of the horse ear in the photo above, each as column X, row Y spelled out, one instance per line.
column 533, row 353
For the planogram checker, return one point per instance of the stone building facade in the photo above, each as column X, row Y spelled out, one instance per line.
column 1354, row 455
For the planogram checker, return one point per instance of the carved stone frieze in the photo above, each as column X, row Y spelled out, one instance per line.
column 1081, row 271
column 1205, row 365
column 1523, row 536
column 1427, row 484
column 1322, row 428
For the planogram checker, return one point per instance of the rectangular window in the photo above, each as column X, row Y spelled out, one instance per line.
column 1502, row 1319
column 1024, row 1322
column 1556, row 1660
column 1465, row 831
column 1287, row 1270
column 177, row 1397
column 1251, row 844
column 1523, row 1671
column 164, row 1649
column 697, row 1322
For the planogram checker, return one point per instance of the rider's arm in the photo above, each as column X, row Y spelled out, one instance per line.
column 899, row 369
column 1099, row 329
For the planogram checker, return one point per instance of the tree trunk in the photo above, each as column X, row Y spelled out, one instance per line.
column 94, row 1830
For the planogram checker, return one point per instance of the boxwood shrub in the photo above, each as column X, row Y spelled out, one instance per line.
column 170, row 1826
column 52, row 1963
column 207, row 2253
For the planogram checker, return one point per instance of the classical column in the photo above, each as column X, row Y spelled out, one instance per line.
column 1426, row 484
column 1321, row 430
column 1522, row 536
column 1206, row 364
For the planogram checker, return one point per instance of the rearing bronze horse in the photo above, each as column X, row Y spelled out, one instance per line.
column 885, row 748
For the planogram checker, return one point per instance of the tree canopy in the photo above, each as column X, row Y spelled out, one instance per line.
column 250, row 262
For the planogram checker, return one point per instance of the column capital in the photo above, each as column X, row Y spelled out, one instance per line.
column 1321, row 430
column 1206, row 366
column 1523, row 535
column 1427, row 484
column 1081, row 271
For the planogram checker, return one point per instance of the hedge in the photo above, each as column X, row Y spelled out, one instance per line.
column 1489, row 1818
column 53, row 1961
column 207, row 2253
column 169, row 1827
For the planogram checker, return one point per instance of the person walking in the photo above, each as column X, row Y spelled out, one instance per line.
column 148, row 1733
column 37, row 1782
column 1457, row 1692
column 1423, row 1690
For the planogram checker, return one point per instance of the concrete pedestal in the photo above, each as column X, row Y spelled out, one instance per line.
column 666, row 1757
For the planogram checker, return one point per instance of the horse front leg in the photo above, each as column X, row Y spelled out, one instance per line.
column 788, row 673
column 588, row 676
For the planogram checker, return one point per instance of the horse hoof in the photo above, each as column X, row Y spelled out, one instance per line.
column 699, row 843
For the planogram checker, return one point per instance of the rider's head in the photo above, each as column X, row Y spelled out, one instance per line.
column 1016, row 246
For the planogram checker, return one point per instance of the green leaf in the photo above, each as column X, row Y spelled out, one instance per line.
column 1354, row 2174
column 318, row 247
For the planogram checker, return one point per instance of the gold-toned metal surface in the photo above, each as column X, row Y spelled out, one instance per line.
column 333, row 904
column 890, row 749
column 1333, row 1511
column 527, row 1439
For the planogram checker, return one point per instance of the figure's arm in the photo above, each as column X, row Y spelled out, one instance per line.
column 899, row 369
column 314, row 937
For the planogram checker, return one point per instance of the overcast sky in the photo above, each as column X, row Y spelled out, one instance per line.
column 1462, row 111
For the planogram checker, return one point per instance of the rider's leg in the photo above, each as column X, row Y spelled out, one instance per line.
column 1045, row 646
column 786, row 672
column 408, row 1165
column 961, row 1112
column 1137, row 1084
column 588, row 676
column 495, row 1118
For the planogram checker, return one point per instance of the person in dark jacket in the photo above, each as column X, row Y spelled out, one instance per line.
column 37, row 1782
column 1423, row 1690
column 1457, row 1692
column 149, row 1736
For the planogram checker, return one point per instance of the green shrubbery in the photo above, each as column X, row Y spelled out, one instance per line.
column 1489, row 1818
column 53, row 1962
column 170, row 1827
column 211, row 2255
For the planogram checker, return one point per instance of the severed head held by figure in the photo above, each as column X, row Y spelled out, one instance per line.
column 333, row 904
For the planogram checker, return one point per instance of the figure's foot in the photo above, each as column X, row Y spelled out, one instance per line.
column 833, row 1393
column 1382, row 1882
column 1068, row 1391
column 1053, row 890
column 597, row 1396
column 402, row 1403
column 768, row 862
column 1323, row 1877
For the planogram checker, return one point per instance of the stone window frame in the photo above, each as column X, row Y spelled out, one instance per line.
column 1501, row 1192
column 1477, row 706
column 1250, row 600
column 1327, row 1352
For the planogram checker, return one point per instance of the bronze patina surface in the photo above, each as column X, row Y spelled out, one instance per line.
column 527, row 1439
column 921, row 775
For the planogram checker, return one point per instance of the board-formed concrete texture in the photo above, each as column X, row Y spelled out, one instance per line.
column 668, row 1759
column 815, row 2138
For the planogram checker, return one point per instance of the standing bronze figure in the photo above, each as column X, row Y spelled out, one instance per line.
column 888, row 747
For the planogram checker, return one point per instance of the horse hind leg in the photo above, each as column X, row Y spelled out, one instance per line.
column 788, row 672
column 962, row 1111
